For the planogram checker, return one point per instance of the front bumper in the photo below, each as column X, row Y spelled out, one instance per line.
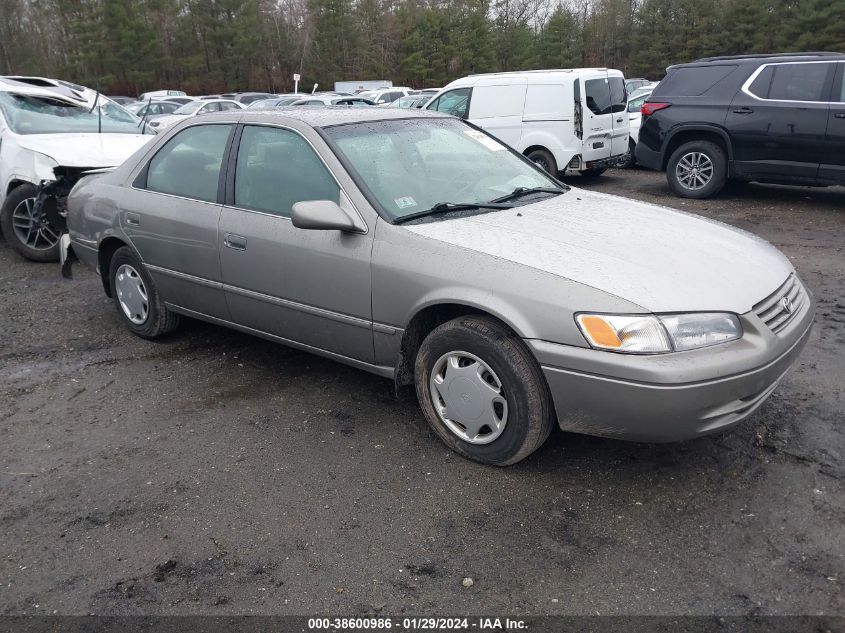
column 670, row 397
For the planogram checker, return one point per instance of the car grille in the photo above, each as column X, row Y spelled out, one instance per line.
column 773, row 309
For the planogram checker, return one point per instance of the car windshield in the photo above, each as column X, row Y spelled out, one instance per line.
column 26, row 114
column 262, row 104
column 412, row 165
column 190, row 108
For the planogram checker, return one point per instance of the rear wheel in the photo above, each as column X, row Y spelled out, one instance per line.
column 697, row 169
column 28, row 232
column 482, row 391
column 136, row 297
column 544, row 160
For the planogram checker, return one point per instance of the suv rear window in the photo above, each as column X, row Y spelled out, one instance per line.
column 691, row 81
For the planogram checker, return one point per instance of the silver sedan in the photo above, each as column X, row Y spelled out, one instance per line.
column 417, row 247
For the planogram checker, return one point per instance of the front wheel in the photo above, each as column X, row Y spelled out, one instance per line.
column 29, row 233
column 482, row 391
column 697, row 169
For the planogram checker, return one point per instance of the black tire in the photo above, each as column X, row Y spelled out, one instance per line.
column 595, row 172
column 39, row 250
column 530, row 415
column 159, row 320
column 627, row 161
column 719, row 162
column 544, row 160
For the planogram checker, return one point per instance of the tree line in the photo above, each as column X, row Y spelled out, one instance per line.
column 212, row 46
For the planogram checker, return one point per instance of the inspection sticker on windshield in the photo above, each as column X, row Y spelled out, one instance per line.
column 405, row 202
column 485, row 140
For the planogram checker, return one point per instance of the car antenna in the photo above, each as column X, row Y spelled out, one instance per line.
column 99, row 110
column 146, row 112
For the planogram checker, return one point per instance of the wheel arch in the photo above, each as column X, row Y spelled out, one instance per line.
column 105, row 251
column 539, row 140
column 14, row 183
column 688, row 133
column 423, row 322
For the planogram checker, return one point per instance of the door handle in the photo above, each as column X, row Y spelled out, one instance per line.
column 619, row 120
column 743, row 110
column 133, row 218
column 839, row 115
column 238, row 242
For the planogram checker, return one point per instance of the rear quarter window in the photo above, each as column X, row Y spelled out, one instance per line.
column 692, row 81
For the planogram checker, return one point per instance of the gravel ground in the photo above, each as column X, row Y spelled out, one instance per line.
column 217, row 473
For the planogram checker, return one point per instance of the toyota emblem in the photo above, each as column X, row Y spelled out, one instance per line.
column 786, row 302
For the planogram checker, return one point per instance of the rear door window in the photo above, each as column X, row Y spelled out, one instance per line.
column 799, row 82
column 597, row 92
column 762, row 83
column 618, row 97
column 839, row 84
column 189, row 164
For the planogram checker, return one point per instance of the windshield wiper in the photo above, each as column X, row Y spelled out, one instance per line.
column 525, row 191
column 445, row 207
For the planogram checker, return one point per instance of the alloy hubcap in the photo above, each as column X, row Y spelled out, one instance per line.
column 31, row 228
column 132, row 294
column 694, row 170
column 468, row 397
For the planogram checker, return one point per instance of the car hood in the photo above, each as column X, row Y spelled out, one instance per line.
column 660, row 259
column 85, row 150
column 167, row 119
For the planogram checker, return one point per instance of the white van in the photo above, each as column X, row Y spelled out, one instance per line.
column 160, row 95
column 560, row 119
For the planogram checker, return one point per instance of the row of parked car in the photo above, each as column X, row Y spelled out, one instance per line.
column 162, row 108
column 775, row 118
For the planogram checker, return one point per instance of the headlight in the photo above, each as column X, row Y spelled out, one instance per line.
column 650, row 334
column 42, row 167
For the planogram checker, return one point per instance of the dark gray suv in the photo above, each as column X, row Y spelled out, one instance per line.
column 767, row 118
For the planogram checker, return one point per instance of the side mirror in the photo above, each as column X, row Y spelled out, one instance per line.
column 325, row 215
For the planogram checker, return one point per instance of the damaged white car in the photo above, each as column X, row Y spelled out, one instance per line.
column 51, row 132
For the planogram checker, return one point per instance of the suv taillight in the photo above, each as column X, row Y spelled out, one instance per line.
column 650, row 108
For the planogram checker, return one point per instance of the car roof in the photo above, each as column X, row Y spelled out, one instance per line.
column 52, row 88
column 768, row 58
column 532, row 76
column 327, row 116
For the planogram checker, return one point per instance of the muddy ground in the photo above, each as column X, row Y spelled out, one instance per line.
column 217, row 473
